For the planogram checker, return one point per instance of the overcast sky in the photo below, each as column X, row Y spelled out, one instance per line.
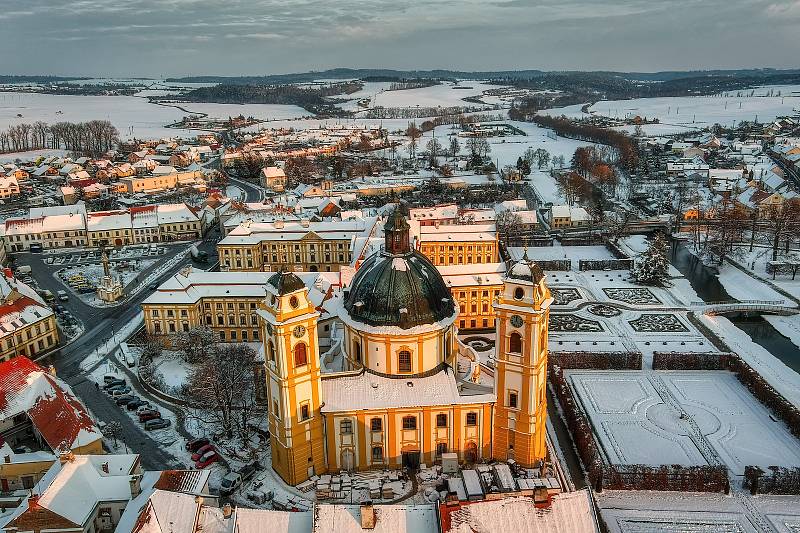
column 229, row 37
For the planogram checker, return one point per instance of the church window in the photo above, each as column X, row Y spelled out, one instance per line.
column 293, row 302
column 300, row 354
column 305, row 412
column 346, row 427
column 441, row 420
column 472, row 419
column 515, row 343
column 404, row 361
column 271, row 351
column 519, row 293
column 409, row 422
column 376, row 424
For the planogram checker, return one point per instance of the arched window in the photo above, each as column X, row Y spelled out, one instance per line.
column 404, row 361
column 357, row 350
column 515, row 343
column 519, row 293
column 300, row 354
column 271, row 351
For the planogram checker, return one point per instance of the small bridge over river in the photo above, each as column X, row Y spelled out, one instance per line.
column 770, row 307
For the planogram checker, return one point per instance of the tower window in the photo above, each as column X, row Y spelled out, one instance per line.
column 512, row 400
column 472, row 419
column 271, row 351
column 305, row 412
column 346, row 427
column 404, row 361
column 409, row 422
column 441, row 420
column 519, row 293
column 376, row 424
column 300, row 354
column 515, row 343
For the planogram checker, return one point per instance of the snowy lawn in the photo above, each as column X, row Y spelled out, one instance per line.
column 635, row 420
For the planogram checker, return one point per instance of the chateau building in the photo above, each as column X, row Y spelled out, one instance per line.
column 397, row 387
column 302, row 246
column 459, row 244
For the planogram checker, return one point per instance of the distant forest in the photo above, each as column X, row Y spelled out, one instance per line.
column 763, row 76
column 311, row 99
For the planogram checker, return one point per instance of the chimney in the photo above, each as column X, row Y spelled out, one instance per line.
column 33, row 501
column 104, row 467
column 367, row 516
column 136, row 485
column 227, row 510
column 7, row 459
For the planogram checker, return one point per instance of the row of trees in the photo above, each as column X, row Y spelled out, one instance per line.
column 627, row 153
column 93, row 138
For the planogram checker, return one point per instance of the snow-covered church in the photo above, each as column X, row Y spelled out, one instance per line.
column 406, row 389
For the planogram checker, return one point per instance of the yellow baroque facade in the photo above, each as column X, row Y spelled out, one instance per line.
column 396, row 388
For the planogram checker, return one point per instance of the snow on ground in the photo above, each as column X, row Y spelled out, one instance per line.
column 234, row 191
column 741, row 286
column 570, row 111
column 683, row 512
column 172, row 369
column 549, row 253
column 31, row 155
column 784, row 379
column 132, row 115
column 446, row 94
column 635, row 421
column 693, row 111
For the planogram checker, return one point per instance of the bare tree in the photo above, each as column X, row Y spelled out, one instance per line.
column 224, row 384
column 507, row 222
column 455, row 146
column 782, row 222
column 195, row 344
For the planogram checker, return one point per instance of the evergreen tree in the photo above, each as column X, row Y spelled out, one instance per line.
column 652, row 266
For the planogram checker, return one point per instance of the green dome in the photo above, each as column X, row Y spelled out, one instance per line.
column 286, row 282
column 402, row 290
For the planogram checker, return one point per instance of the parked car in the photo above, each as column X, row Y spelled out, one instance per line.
column 113, row 382
column 122, row 391
column 201, row 452
column 229, row 483
column 124, row 399
column 153, row 286
column 36, row 248
column 108, row 378
column 62, row 295
column 144, row 408
column 249, row 470
column 196, row 444
column 148, row 416
column 207, row 459
column 137, row 404
column 156, row 423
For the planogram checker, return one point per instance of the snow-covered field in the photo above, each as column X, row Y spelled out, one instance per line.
column 133, row 116
column 446, row 94
column 702, row 111
column 635, row 421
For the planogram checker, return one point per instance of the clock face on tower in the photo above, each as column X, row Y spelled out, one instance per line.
column 299, row 331
column 516, row 321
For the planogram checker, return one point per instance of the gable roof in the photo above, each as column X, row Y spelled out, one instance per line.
column 50, row 404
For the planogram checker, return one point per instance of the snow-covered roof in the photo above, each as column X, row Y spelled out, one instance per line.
column 57, row 414
column 175, row 213
column 369, row 391
column 108, row 220
column 388, row 519
column 569, row 512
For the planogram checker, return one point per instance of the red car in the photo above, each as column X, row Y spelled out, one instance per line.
column 210, row 457
column 144, row 416
column 202, row 451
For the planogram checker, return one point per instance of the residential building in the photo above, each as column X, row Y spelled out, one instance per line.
column 9, row 187
column 109, row 228
column 169, row 179
column 178, row 222
column 27, row 323
column 568, row 216
column 81, row 494
column 273, row 178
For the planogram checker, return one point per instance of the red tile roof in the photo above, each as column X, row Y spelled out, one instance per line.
column 55, row 412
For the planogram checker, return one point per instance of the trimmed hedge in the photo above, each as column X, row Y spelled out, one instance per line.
column 597, row 360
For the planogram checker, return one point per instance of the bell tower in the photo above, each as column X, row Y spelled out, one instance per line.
column 520, row 378
column 294, row 391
